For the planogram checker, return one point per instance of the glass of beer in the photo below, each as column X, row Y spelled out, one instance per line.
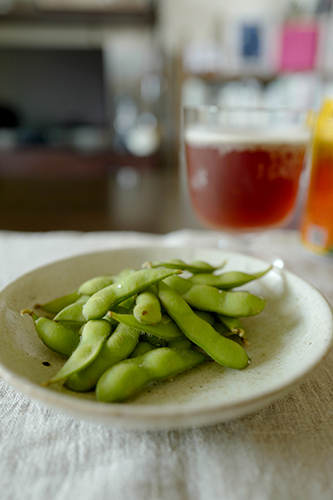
column 244, row 165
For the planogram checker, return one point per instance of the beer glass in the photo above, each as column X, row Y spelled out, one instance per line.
column 244, row 165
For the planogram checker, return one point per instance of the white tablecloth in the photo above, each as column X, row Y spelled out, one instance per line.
column 284, row 451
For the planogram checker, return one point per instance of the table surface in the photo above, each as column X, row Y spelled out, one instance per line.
column 284, row 451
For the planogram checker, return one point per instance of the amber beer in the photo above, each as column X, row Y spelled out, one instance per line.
column 244, row 182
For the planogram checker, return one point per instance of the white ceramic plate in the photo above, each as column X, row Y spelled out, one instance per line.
column 288, row 340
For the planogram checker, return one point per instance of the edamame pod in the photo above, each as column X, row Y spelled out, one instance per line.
column 118, row 346
column 209, row 298
column 233, row 324
column 153, row 339
column 221, row 349
column 104, row 300
column 238, row 339
column 196, row 266
column 181, row 343
column 72, row 325
column 56, row 305
column 227, row 280
column 141, row 348
column 205, row 315
column 126, row 379
column 55, row 336
column 222, row 329
column 93, row 335
column 167, row 331
column 73, row 312
column 93, row 285
column 125, row 272
column 147, row 309
column 127, row 303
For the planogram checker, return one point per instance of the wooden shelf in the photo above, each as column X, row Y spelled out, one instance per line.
column 214, row 78
column 122, row 16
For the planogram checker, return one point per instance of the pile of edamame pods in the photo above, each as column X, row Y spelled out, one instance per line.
column 122, row 332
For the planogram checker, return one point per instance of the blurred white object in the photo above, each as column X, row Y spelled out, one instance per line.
column 300, row 89
column 246, row 93
column 296, row 90
column 275, row 94
column 204, row 57
column 144, row 138
column 89, row 139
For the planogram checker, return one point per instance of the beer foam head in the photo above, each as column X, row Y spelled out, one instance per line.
column 200, row 136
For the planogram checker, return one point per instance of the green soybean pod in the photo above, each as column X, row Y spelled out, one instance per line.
column 167, row 331
column 93, row 335
column 95, row 284
column 233, row 324
column 73, row 312
column 221, row 349
column 196, row 266
column 225, row 281
column 153, row 339
column 222, row 329
column 126, row 379
column 127, row 303
column 56, row 305
column 205, row 315
column 181, row 343
column 118, row 346
column 209, row 298
column 55, row 336
column 238, row 339
column 72, row 325
column 147, row 309
column 104, row 300
column 141, row 348
column 125, row 272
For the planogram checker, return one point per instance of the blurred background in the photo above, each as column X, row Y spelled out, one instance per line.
column 91, row 94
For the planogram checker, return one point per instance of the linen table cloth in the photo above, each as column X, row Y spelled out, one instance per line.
column 284, row 451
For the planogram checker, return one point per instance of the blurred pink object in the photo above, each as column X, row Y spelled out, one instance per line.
column 299, row 46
